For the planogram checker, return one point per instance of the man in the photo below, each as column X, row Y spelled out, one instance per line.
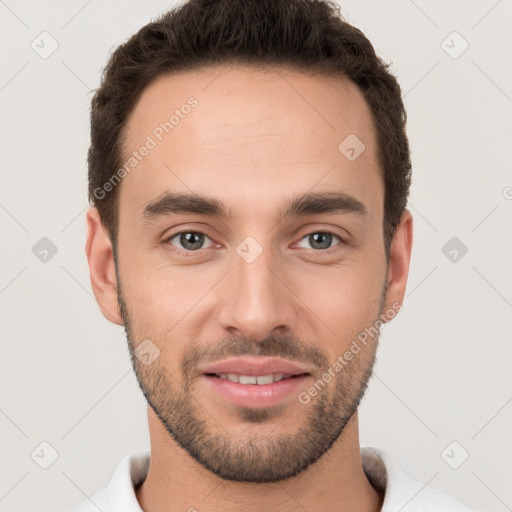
column 249, row 172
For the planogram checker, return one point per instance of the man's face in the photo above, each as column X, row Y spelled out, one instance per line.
column 298, row 287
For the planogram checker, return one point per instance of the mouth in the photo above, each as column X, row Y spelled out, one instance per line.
column 259, row 380
column 246, row 368
column 255, row 381
column 255, row 391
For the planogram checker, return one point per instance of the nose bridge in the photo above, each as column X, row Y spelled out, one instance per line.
column 255, row 302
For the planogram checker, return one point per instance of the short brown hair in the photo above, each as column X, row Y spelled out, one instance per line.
column 306, row 35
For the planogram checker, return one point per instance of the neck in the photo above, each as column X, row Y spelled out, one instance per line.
column 176, row 482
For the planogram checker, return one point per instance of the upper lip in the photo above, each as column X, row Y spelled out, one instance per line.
column 255, row 366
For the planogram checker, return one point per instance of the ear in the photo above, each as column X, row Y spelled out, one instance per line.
column 100, row 257
column 399, row 260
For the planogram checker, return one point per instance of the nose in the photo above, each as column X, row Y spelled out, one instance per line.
column 256, row 299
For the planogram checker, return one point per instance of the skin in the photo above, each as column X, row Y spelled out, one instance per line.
column 256, row 138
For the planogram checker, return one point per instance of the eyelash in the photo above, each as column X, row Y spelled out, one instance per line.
column 323, row 231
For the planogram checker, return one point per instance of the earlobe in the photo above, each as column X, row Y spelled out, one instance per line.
column 98, row 249
column 399, row 261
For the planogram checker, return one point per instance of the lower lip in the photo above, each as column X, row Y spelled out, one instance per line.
column 256, row 395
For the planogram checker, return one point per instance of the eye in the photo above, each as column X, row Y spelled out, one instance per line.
column 189, row 240
column 320, row 240
column 192, row 241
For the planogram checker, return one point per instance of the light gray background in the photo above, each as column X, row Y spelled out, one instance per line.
column 443, row 371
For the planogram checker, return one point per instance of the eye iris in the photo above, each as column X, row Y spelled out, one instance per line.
column 324, row 239
column 190, row 240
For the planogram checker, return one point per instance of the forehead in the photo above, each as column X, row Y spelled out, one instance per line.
column 243, row 131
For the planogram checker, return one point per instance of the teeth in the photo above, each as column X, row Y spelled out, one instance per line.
column 250, row 379
column 244, row 379
column 265, row 379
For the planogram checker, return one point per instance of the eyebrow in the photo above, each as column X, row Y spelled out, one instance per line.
column 172, row 203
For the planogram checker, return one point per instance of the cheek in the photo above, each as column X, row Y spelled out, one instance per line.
column 346, row 299
column 352, row 288
column 158, row 298
column 163, row 298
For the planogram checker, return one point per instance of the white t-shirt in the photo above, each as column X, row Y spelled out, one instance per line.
column 402, row 493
